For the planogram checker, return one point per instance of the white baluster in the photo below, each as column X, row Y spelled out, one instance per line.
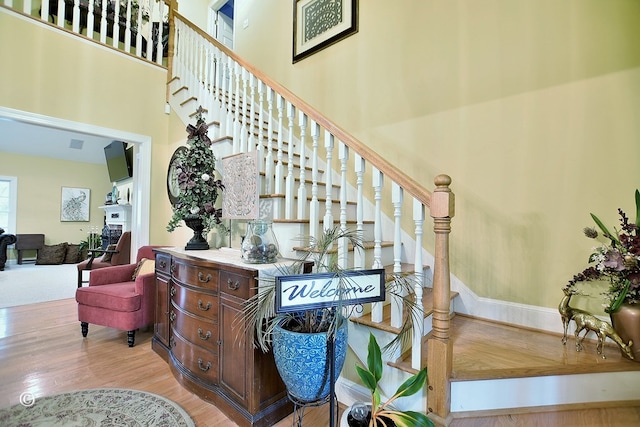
column 75, row 17
column 290, row 180
column 279, row 180
column 302, row 188
column 343, row 156
column 227, row 96
column 103, row 23
column 61, row 13
column 237, row 145
column 396, row 199
column 251, row 121
column 328, row 182
column 314, row 207
column 90, row 19
column 358, row 255
column 377, row 227
column 244, row 117
column 138, row 28
column 116, row 24
column 268, row 167
column 44, row 9
column 127, row 28
column 160, row 20
column 418, row 327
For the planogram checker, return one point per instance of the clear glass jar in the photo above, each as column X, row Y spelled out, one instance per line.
column 260, row 246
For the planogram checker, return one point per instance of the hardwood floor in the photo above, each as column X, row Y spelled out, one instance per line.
column 42, row 352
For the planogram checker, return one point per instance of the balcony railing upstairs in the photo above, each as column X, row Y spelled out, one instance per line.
column 137, row 27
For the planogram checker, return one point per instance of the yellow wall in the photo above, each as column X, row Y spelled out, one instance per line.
column 40, row 182
column 531, row 106
column 62, row 76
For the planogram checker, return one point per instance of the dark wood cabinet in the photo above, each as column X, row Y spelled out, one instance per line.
column 200, row 334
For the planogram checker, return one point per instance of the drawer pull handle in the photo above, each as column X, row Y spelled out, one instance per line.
column 173, row 268
column 204, row 368
column 233, row 286
column 163, row 264
column 205, row 336
column 203, row 307
column 172, row 291
column 172, row 317
column 203, row 279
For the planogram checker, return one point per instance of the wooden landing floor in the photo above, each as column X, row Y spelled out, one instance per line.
column 42, row 352
column 492, row 350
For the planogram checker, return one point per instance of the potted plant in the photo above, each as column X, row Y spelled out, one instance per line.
column 616, row 261
column 192, row 172
column 299, row 330
column 384, row 414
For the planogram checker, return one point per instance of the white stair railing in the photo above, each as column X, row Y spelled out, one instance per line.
column 240, row 101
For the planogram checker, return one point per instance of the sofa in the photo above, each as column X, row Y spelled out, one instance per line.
column 5, row 240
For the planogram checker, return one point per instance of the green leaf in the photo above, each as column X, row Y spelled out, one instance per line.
column 408, row 418
column 615, row 305
column 604, row 229
column 374, row 358
column 413, row 384
column 638, row 208
column 367, row 378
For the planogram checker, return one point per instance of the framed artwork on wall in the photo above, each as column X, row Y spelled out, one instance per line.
column 318, row 24
column 74, row 205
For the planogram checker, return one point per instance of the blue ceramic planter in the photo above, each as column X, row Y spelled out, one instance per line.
column 301, row 359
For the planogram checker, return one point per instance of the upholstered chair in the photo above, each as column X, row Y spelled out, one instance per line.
column 5, row 240
column 120, row 297
column 118, row 256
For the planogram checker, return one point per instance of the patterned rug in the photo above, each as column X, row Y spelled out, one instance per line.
column 97, row 407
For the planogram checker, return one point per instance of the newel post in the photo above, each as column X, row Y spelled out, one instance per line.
column 173, row 6
column 440, row 350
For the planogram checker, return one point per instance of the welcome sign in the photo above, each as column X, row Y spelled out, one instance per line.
column 310, row 291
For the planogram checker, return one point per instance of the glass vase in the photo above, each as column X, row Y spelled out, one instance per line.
column 259, row 246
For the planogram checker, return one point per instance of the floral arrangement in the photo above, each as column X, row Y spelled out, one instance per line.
column 616, row 259
column 198, row 188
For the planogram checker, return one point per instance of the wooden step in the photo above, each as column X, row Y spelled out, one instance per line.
column 486, row 349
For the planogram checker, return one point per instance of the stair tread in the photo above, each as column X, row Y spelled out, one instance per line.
column 486, row 349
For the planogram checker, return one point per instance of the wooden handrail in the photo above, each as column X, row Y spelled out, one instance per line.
column 389, row 170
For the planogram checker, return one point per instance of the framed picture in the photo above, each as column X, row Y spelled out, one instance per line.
column 75, row 203
column 320, row 23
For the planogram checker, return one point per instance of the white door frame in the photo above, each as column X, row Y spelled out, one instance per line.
column 142, row 164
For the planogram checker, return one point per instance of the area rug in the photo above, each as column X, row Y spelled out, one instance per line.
column 104, row 407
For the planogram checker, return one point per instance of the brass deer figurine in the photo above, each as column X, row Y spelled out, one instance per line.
column 587, row 321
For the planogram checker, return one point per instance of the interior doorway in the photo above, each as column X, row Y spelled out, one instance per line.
column 220, row 22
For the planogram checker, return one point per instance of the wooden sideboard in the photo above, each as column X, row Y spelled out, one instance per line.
column 198, row 297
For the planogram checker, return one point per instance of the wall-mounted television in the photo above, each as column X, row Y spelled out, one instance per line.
column 119, row 161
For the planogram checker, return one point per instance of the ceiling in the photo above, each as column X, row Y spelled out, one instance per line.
column 43, row 141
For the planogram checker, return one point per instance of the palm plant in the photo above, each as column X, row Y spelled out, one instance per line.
column 383, row 414
column 259, row 316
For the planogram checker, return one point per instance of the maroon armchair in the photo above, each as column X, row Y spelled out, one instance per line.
column 115, row 300
column 119, row 256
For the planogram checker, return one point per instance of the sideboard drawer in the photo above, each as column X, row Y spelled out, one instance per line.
column 163, row 263
column 195, row 275
column 203, row 364
column 199, row 303
column 237, row 284
column 195, row 329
